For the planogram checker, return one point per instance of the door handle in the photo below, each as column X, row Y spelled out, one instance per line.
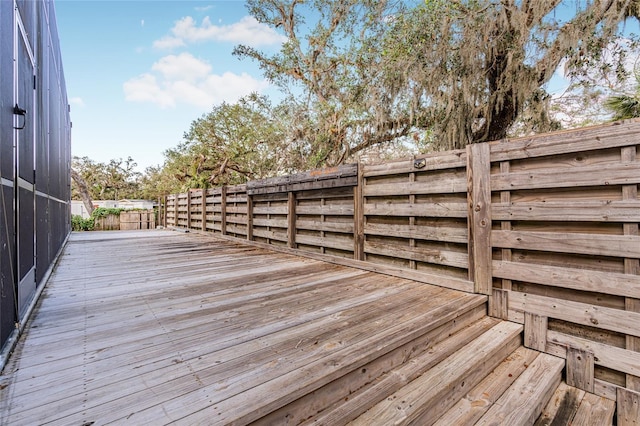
column 23, row 112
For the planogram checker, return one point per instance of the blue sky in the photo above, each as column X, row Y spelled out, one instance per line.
column 139, row 72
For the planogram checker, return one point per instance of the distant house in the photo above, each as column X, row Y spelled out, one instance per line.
column 77, row 207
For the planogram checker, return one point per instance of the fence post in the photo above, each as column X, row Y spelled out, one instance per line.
column 188, row 209
column 291, row 219
column 164, row 212
column 176, row 210
column 479, row 216
column 631, row 266
column 628, row 406
column 204, row 209
column 223, row 210
column 249, row 217
column 358, row 216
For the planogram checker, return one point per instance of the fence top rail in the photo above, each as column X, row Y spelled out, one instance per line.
column 432, row 161
column 334, row 177
column 234, row 189
column 610, row 135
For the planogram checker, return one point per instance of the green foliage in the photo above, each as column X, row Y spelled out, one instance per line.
column 330, row 69
column 625, row 105
column 369, row 80
column 363, row 74
column 115, row 180
column 78, row 223
column 474, row 69
column 231, row 144
column 106, row 211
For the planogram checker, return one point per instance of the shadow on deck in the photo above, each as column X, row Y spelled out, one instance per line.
column 157, row 327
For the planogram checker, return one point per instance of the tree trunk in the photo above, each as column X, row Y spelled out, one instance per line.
column 84, row 191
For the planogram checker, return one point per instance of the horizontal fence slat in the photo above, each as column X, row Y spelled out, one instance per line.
column 237, row 209
column 576, row 279
column 436, row 161
column 605, row 355
column 279, row 210
column 420, row 254
column 235, row 189
column 565, row 142
column 277, row 223
column 568, row 177
column 240, row 220
column 453, row 210
column 305, row 186
column 598, row 245
column 333, row 177
column 435, row 186
column 334, row 243
column 419, row 232
column 236, row 199
column 234, row 229
column 570, row 211
column 327, row 209
column 271, row 234
column 580, row 313
column 317, row 225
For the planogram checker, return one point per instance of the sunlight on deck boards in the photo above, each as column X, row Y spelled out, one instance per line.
column 149, row 327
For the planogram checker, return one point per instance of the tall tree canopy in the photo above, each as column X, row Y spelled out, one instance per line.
column 233, row 143
column 329, row 67
column 365, row 78
column 115, row 180
column 446, row 72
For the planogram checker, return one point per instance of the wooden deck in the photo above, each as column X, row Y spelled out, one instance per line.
column 157, row 327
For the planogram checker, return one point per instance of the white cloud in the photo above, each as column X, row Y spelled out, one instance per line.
column 142, row 22
column 247, row 31
column 145, row 88
column 77, row 101
column 184, row 79
column 203, row 8
column 184, row 66
column 168, row 42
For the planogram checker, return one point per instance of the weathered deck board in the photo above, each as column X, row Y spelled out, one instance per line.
column 425, row 399
column 157, row 326
column 468, row 410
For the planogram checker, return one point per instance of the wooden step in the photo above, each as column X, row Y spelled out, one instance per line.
column 475, row 404
column 570, row 405
column 523, row 402
column 425, row 399
column 362, row 395
column 329, row 400
column 266, row 394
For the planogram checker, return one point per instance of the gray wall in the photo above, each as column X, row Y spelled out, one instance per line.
column 34, row 161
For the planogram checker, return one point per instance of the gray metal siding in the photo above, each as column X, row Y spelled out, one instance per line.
column 35, row 187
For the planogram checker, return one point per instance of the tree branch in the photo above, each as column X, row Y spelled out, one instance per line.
column 83, row 189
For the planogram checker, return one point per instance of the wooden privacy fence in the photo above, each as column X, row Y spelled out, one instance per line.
column 546, row 226
column 126, row 220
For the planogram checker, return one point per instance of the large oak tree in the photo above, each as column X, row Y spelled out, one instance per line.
column 445, row 72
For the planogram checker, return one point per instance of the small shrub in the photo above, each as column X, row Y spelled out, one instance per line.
column 104, row 211
column 78, row 223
